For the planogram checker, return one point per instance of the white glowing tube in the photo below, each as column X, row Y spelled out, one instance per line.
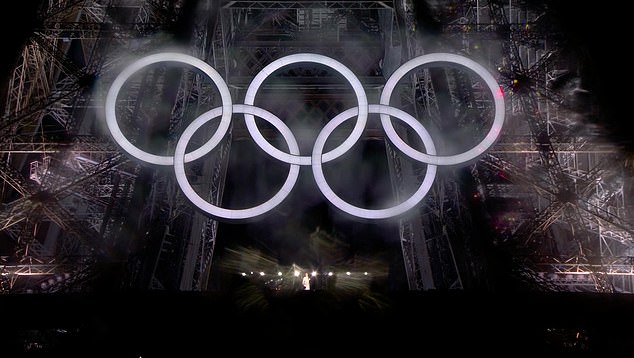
column 314, row 58
column 115, row 88
column 234, row 214
column 390, row 212
column 464, row 157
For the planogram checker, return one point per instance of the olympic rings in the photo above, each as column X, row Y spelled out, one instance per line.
column 317, row 157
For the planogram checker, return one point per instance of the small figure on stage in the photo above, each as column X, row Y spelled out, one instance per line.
column 306, row 281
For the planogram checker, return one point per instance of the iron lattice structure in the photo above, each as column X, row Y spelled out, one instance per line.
column 551, row 192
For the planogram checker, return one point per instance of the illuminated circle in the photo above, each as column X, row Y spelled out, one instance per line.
column 234, row 214
column 393, row 211
column 293, row 157
column 323, row 60
column 115, row 88
column 464, row 157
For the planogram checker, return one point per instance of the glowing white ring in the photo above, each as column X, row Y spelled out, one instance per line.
column 234, row 214
column 293, row 158
column 390, row 212
column 464, row 157
column 354, row 136
column 115, row 88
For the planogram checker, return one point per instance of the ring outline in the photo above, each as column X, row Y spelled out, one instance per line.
column 362, row 100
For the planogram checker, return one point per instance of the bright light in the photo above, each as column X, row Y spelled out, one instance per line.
column 365, row 273
column 296, row 273
column 348, row 273
column 244, row 274
column 314, row 273
column 261, row 273
column 330, row 273
column 279, row 273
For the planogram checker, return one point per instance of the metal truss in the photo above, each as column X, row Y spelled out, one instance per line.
column 569, row 180
column 571, row 273
column 272, row 5
column 435, row 243
column 68, row 194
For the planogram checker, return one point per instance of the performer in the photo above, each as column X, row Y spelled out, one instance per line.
column 306, row 281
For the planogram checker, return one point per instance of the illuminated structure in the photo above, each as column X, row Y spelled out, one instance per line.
column 550, row 195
